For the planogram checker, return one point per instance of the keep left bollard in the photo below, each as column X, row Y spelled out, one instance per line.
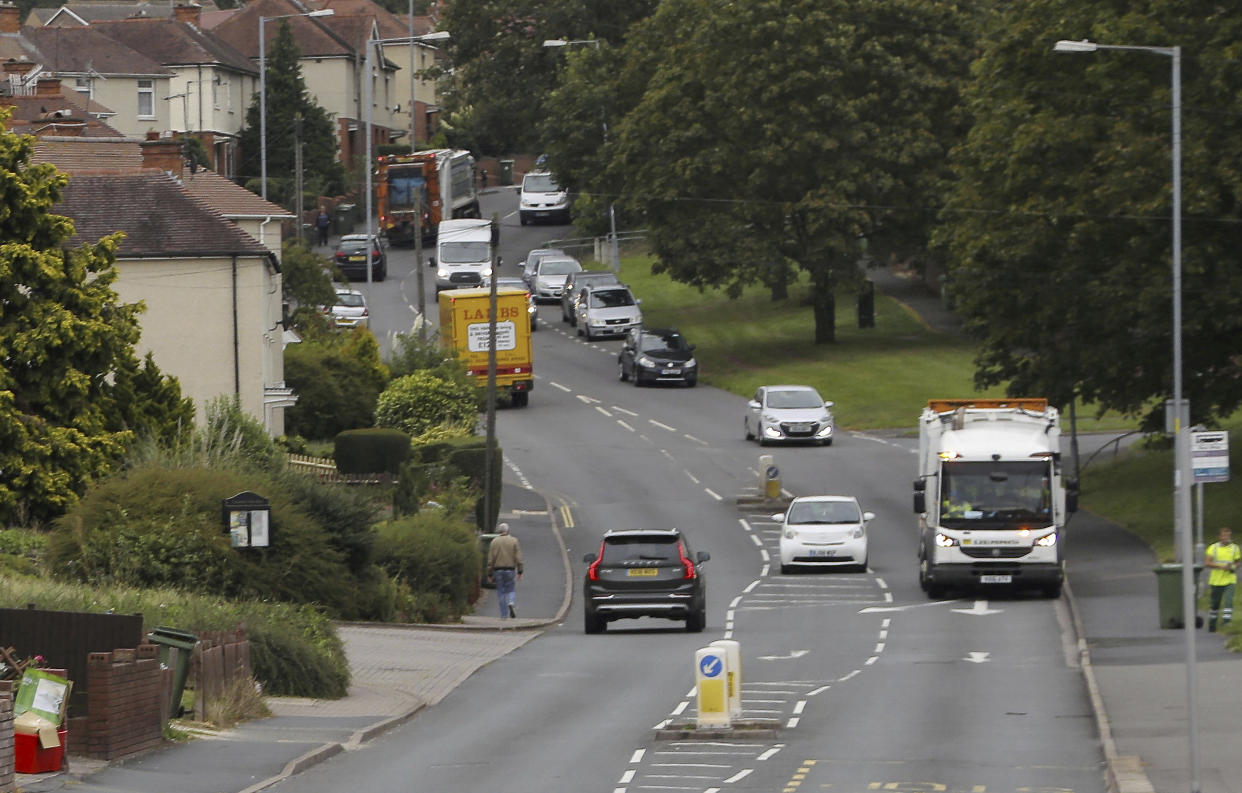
column 711, row 687
column 733, row 671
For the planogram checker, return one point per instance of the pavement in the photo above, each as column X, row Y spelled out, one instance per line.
column 1135, row 672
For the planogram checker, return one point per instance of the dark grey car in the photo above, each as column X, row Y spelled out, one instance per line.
column 657, row 355
column 644, row 573
column 574, row 284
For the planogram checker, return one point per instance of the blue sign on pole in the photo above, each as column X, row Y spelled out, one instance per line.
column 711, row 665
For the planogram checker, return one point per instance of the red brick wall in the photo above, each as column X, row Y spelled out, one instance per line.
column 7, row 779
column 125, row 690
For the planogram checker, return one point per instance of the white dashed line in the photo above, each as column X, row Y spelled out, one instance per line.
column 734, row 602
column 713, row 494
column 871, row 660
column 696, row 440
column 655, row 423
column 739, row 776
column 757, row 541
column 603, row 411
column 799, row 706
column 819, row 690
column 769, row 753
column 693, row 478
column 750, row 587
column 627, row 777
column 626, row 426
column 564, row 388
column 793, row 722
column 626, row 412
column 847, row 677
column 637, row 757
column 681, row 707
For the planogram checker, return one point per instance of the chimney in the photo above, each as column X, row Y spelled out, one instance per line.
column 18, row 66
column 48, row 86
column 162, row 154
column 188, row 13
column 63, row 126
column 10, row 18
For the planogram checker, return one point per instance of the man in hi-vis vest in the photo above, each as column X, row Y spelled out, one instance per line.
column 1222, row 559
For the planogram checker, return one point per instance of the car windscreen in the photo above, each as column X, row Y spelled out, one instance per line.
column 349, row 299
column 794, row 399
column 558, row 267
column 671, row 342
column 824, row 512
column 354, row 246
column 611, row 298
column 642, row 548
column 540, row 183
column 464, row 252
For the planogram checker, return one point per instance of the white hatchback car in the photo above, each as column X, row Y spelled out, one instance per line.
column 349, row 310
column 788, row 413
column 824, row 531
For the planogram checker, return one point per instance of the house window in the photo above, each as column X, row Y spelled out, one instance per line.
column 146, row 99
column 83, row 85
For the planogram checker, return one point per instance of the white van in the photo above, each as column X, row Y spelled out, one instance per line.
column 463, row 253
column 541, row 198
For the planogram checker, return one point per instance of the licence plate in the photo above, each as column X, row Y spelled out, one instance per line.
column 671, row 371
column 641, row 572
column 799, row 427
column 823, row 553
column 356, row 258
column 996, row 579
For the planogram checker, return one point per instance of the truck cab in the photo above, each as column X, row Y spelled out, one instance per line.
column 463, row 257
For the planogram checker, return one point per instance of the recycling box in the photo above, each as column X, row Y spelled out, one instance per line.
column 39, row 709
column 30, row 756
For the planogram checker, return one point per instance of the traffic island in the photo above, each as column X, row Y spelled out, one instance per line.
column 742, row 729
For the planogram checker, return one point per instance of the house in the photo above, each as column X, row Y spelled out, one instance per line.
column 211, row 290
column 211, row 85
column 81, row 13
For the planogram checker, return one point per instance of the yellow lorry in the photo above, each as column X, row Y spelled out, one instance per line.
column 465, row 320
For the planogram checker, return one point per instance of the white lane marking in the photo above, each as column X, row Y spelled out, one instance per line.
column 980, row 608
column 693, row 478
column 977, row 657
column 847, row 677
column 627, row 777
column 626, row 412
column 881, row 583
column 792, row 654
column 739, row 776
column 799, row 706
column 819, row 690
column 757, row 541
column 667, row 455
column 586, row 399
column 681, row 707
column 637, row 757
column 766, row 568
column 763, row 553
column 883, row 633
column 714, row 494
column 884, row 623
column 626, row 426
column 750, row 587
column 661, row 426
column 871, row 660
column 603, row 411
column 793, row 722
column 735, row 601
column 690, row 694
column 769, row 753
column 564, row 388
column 696, row 440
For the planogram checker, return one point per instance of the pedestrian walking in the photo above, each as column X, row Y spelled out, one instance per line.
column 1222, row 558
column 322, row 224
column 504, row 568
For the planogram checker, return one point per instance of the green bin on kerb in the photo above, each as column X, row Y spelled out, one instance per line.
column 343, row 219
column 506, row 172
column 176, row 652
column 485, row 544
column 1169, row 592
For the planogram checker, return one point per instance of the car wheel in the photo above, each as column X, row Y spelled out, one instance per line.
column 786, row 569
column 521, row 399
column 826, row 442
column 534, row 326
column 750, row 436
column 696, row 621
column 522, row 219
column 588, row 335
column 762, row 440
column 692, row 382
column 638, row 379
column 934, row 591
column 622, row 375
column 565, row 317
column 1052, row 591
column 592, row 623
column 862, row 566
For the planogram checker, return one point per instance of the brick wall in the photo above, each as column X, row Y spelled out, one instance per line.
column 7, row 779
column 125, row 691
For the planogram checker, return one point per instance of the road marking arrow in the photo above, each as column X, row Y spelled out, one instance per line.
column 587, row 399
column 880, row 609
column 980, row 607
column 792, row 654
column 977, row 657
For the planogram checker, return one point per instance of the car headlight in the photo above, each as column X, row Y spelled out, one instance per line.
column 646, row 362
column 486, row 272
column 691, row 364
column 945, row 541
column 858, row 532
column 442, row 273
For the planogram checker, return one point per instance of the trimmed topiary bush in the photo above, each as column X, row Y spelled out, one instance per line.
column 372, row 450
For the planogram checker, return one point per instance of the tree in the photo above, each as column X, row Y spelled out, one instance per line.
column 422, row 401
column 63, row 333
column 338, row 378
column 147, row 402
column 1058, row 231
column 287, row 100
column 306, row 284
column 780, row 135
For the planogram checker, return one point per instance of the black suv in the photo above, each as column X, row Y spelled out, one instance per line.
column 351, row 257
column 657, row 355
column 644, row 573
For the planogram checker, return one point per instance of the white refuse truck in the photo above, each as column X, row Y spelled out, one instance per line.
column 991, row 497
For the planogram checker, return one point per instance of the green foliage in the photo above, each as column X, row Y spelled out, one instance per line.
column 436, row 555
column 420, row 401
column 338, row 378
column 145, row 402
column 1058, row 229
column 294, row 650
column 306, row 285
column 236, row 435
column 288, row 100
column 413, row 353
column 346, row 514
column 371, row 450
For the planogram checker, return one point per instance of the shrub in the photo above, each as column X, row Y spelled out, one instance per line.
column 371, row 451
column 337, row 381
column 436, row 555
column 421, row 401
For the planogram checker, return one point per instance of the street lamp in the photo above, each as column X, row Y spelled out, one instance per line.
column 439, row 35
column 612, row 212
column 323, row 12
column 1181, row 412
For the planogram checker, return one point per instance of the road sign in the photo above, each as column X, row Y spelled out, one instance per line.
column 711, row 687
column 1209, row 453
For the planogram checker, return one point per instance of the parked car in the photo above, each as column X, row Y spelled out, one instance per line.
column 349, row 310
column 824, row 531
column 532, row 259
column 574, row 283
column 657, row 355
column 607, row 311
column 788, row 413
column 547, row 280
column 515, row 282
column 644, row 573
column 541, row 198
column 351, row 257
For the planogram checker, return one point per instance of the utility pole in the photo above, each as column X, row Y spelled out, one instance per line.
column 489, row 494
column 297, row 170
column 418, row 263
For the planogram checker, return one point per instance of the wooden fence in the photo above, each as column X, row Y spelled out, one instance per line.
column 324, row 469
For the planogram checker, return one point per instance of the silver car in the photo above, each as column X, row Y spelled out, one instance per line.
column 547, row 280
column 532, row 259
column 573, row 285
column 788, row 413
column 349, row 310
column 607, row 311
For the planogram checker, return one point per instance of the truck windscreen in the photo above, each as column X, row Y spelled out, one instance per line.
column 402, row 188
column 995, row 494
column 465, row 252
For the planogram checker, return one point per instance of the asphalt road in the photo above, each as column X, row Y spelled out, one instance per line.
column 873, row 686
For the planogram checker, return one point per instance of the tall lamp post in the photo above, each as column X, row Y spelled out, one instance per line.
column 612, row 213
column 323, row 12
column 1181, row 414
column 439, row 35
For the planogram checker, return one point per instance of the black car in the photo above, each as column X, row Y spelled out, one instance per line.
column 351, row 257
column 657, row 355
column 644, row 573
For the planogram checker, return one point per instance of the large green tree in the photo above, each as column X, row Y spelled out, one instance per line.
column 778, row 135
column 63, row 334
column 1058, row 234
column 291, row 114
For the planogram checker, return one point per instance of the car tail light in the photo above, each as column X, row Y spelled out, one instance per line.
column 593, row 569
column 685, row 562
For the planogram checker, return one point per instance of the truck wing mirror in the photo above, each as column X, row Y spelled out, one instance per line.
column 431, row 261
column 920, row 503
column 919, row 485
column 1071, row 495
